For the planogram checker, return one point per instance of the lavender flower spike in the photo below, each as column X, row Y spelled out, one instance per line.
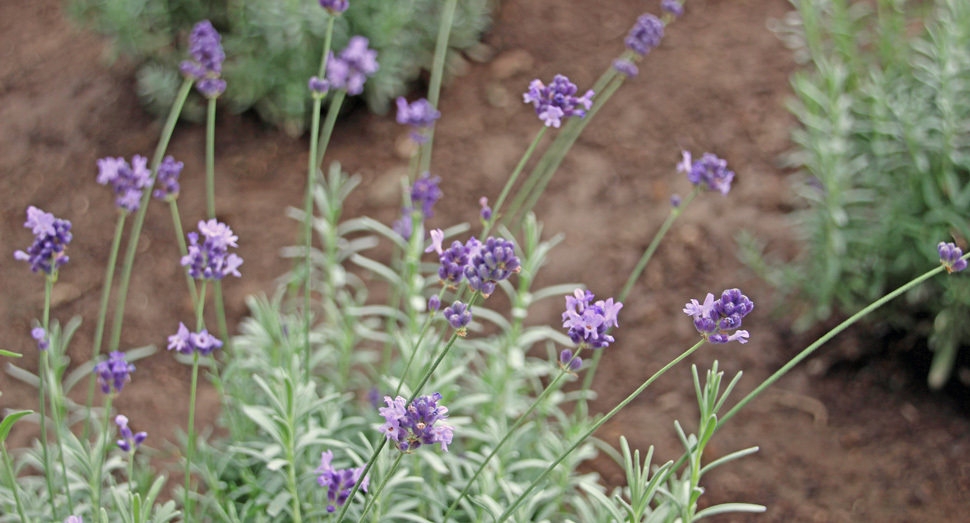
column 114, row 372
column 496, row 261
column 713, row 319
column 709, row 170
column 211, row 259
column 556, row 101
column 951, row 257
column 414, row 425
column 129, row 442
column 625, row 67
column 420, row 115
column 351, row 68
column 205, row 67
column 338, row 482
column 128, row 181
column 51, row 236
column 168, row 179
column 645, row 34
column 459, row 316
column 586, row 322
column 674, row 7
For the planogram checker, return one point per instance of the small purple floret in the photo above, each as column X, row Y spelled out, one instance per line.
column 114, row 372
column 645, row 34
column 186, row 342
column 335, row 6
column 424, row 194
column 486, row 212
column 555, row 101
column 128, row 181
column 210, row 259
column 709, row 170
column 338, row 482
column 950, row 257
column 459, row 316
column 434, row 302
column 566, row 360
column 51, row 236
column 350, row 69
column 626, row 67
column 318, row 85
column 40, row 335
column 586, row 322
column 129, row 442
column 420, row 115
column 714, row 318
column 167, row 180
column 414, row 425
column 674, row 7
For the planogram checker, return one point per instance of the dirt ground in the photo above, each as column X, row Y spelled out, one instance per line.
column 851, row 435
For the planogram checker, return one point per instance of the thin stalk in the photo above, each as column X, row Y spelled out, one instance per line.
column 190, row 444
column 512, row 178
column 102, row 314
column 291, row 458
column 13, row 482
column 376, row 493
column 630, row 282
column 42, row 375
column 183, row 249
column 508, row 512
column 101, row 450
column 131, row 485
column 518, row 423
column 210, row 159
column 142, row 210
column 417, row 345
column 437, row 71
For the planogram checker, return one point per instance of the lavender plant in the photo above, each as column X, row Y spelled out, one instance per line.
column 497, row 401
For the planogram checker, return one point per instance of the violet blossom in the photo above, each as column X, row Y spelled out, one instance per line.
column 205, row 67
column 410, row 426
column 114, row 372
column 129, row 442
column 645, row 34
column 335, row 6
column 459, row 316
column 186, row 342
column 709, row 170
column 420, row 115
column 713, row 319
column 128, row 181
column 168, row 179
column 51, row 236
column 555, row 101
column 351, row 68
column 586, row 322
column 211, row 259
column 951, row 257
column 40, row 335
column 496, row 261
column 338, row 482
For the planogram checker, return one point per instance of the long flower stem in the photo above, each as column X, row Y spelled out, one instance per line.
column 183, row 250
column 42, row 389
column 101, row 448
column 131, row 485
column 417, row 345
column 508, row 512
column 210, row 159
column 13, row 482
column 511, row 181
column 630, row 282
column 142, row 210
column 291, row 458
column 190, row 442
column 373, row 496
column 102, row 314
column 437, row 71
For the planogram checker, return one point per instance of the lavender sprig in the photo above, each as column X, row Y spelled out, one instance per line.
column 168, row 179
column 185, row 342
column 205, row 67
column 128, row 181
column 715, row 318
column 411, row 426
column 420, row 115
column 709, row 171
column 114, row 372
column 129, row 442
column 951, row 257
column 351, row 68
column 645, row 35
column 51, row 236
column 586, row 322
column 211, row 259
column 555, row 101
column 338, row 482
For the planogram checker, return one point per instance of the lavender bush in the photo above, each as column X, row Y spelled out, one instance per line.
column 434, row 406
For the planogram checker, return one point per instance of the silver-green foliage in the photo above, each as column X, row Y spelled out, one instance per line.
column 882, row 147
column 274, row 47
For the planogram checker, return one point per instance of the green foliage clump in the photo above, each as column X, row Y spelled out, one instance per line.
column 274, row 47
column 882, row 145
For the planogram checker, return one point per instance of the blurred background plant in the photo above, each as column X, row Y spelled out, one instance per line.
column 275, row 46
column 883, row 109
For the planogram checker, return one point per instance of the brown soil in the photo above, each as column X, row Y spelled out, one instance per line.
column 862, row 441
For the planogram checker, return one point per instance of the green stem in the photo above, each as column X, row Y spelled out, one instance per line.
column 508, row 512
column 183, row 249
column 131, row 485
column 387, row 477
column 437, row 71
column 102, row 449
column 142, row 210
column 630, row 281
column 210, row 159
column 291, row 458
column 512, row 178
column 102, row 314
column 13, row 482
column 42, row 376
column 190, row 443
column 417, row 346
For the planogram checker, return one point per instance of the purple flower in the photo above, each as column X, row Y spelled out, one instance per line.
column 335, row 6
column 586, row 322
column 567, row 361
column 675, row 200
column 424, row 194
column 318, row 86
column 205, row 67
column 486, row 212
column 420, row 115
column 496, row 261
column 51, row 235
column 40, row 335
column 168, row 179
column 437, row 236
column 950, row 257
column 128, row 181
column 625, row 67
column 186, row 342
column 453, row 261
column 434, row 302
column 114, row 372
column 338, row 482
column 350, row 69
column 556, row 101
column 459, row 316
column 714, row 318
column 414, row 425
column 645, row 34
column 674, row 7
column 129, row 442
column 211, row 260
column 709, row 170
column 74, row 519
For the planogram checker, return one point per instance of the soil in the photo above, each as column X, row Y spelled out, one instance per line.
column 852, row 434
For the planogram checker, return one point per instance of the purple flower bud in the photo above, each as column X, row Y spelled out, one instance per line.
column 210, row 259
column 114, row 372
column 51, row 236
column 625, row 67
column 709, row 170
column 645, row 34
column 556, row 101
column 211, row 87
column 168, row 179
column 39, row 334
column 186, row 342
column 458, row 316
column 486, row 212
column 335, row 6
column 674, row 7
column 453, row 261
column 420, row 115
column 496, row 261
column 318, row 85
column 566, row 360
column 434, row 303
column 350, row 69
column 127, row 181
column 74, row 519
column 713, row 319
column 675, row 201
column 129, row 442
column 950, row 257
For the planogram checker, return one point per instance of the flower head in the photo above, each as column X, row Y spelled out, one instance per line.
column 205, row 67
column 645, row 34
column 420, row 115
column 168, row 179
column 40, row 335
column 129, row 442
column 338, row 482
column 437, row 236
column 453, row 261
column 556, row 101
column 425, row 193
column 350, row 69
column 114, row 372
column 950, row 257
column 625, row 67
column 211, row 259
column 709, row 170
column 128, row 181
column 713, row 319
column 587, row 322
column 413, row 425
column 335, row 6
column 186, row 342
column 568, row 361
column 459, row 316
column 51, row 235
column 434, row 302
column 318, row 86
column 496, row 261
column 674, row 7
